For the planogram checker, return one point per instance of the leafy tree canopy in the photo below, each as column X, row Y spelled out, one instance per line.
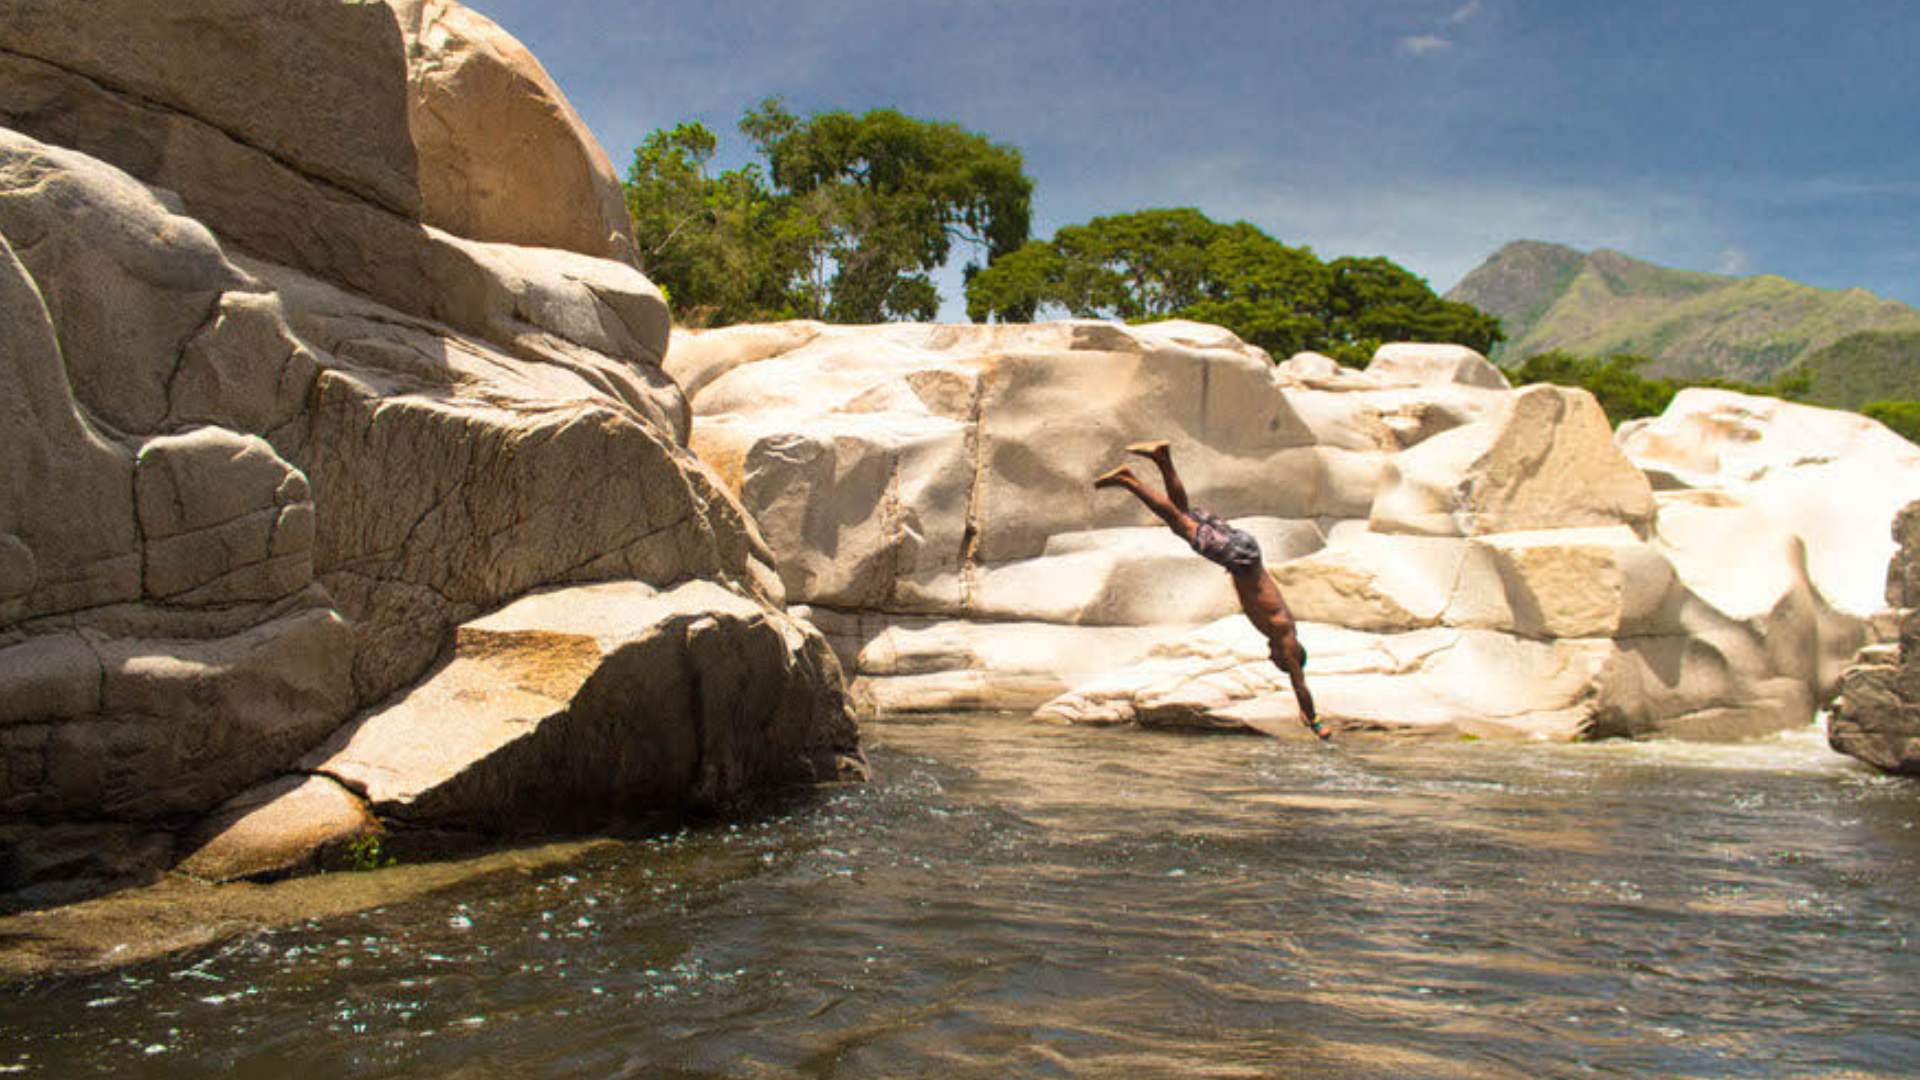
column 1902, row 416
column 844, row 218
column 1160, row 264
column 1627, row 395
column 726, row 248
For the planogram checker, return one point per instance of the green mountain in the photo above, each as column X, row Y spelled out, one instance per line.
column 1872, row 365
column 1693, row 324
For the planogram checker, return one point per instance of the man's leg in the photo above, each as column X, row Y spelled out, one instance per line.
column 1176, row 518
column 1158, row 452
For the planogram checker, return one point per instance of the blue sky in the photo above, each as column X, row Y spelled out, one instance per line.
column 1743, row 136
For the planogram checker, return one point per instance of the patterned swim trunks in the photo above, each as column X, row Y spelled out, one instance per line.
column 1219, row 542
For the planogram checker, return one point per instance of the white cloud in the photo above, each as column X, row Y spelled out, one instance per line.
column 1441, row 231
column 1438, row 228
column 1733, row 261
column 1421, row 44
column 1820, row 188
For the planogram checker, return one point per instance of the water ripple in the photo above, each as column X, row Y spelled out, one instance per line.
column 1012, row 899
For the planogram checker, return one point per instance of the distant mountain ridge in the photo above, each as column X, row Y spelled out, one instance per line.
column 1693, row 324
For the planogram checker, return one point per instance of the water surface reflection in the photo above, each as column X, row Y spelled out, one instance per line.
column 1012, row 899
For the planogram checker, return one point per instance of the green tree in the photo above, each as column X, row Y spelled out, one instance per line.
column 1145, row 265
column 726, row 248
column 846, row 220
column 1615, row 381
column 1376, row 301
column 1275, row 296
column 1624, row 393
column 894, row 195
column 1902, row 416
column 1178, row 263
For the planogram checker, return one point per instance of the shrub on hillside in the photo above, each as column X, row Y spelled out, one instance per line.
column 1624, row 393
column 1902, row 416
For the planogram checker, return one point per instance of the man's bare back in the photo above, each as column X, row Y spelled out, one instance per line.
column 1233, row 550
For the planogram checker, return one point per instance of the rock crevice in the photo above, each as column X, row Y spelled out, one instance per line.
column 1463, row 556
column 1877, row 718
column 286, row 411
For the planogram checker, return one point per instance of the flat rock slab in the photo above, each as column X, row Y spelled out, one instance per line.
column 575, row 705
column 276, row 828
column 179, row 913
column 1440, row 679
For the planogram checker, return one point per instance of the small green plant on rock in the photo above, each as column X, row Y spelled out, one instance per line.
column 368, row 852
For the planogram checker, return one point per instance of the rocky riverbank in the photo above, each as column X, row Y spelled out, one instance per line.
column 1464, row 556
column 322, row 342
column 355, row 484
column 1878, row 716
column 180, row 914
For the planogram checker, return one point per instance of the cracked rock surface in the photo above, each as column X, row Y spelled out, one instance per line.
column 1878, row 716
column 285, row 406
column 1463, row 556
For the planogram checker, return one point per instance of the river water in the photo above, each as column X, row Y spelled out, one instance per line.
column 1010, row 899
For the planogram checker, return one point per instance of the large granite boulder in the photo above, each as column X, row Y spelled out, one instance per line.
column 69, row 539
column 554, row 712
column 225, row 519
column 1464, row 556
column 1832, row 479
column 1386, row 410
column 271, row 436
column 1439, row 680
column 539, row 304
column 1877, row 718
column 1435, row 364
column 423, row 107
column 317, row 84
column 485, row 116
column 527, row 721
column 902, row 468
column 1544, row 460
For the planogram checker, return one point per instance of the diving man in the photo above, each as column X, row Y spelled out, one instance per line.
column 1236, row 551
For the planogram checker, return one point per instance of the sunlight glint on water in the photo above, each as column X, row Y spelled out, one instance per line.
column 1015, row 899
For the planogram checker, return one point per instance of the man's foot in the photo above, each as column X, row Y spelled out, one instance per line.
column 1154, row 450
column 1119, row 477
column 1314, row 725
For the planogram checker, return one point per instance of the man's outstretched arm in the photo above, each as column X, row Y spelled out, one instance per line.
column 1289, row 662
